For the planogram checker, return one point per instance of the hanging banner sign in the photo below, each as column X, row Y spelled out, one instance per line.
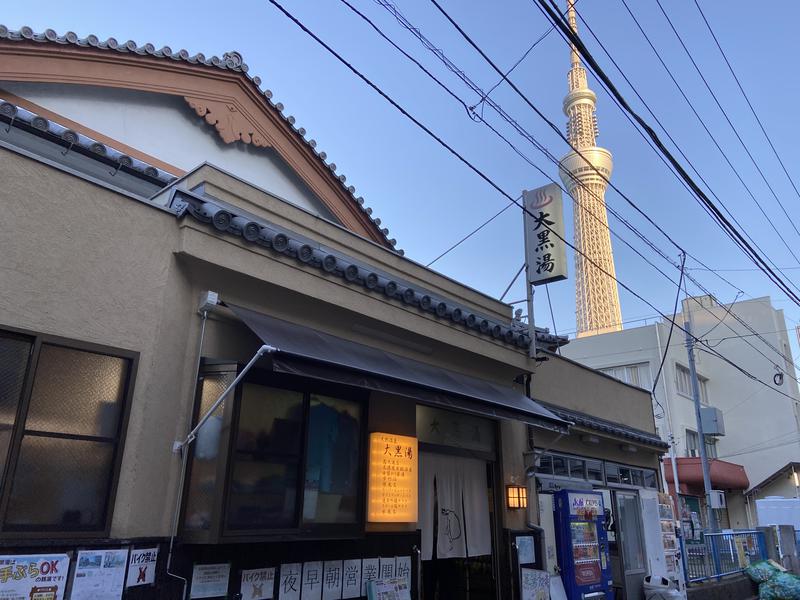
column 392, row 487
column 39, row 576
column 545, row 248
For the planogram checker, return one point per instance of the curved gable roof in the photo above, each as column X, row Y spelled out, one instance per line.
column 220, row 90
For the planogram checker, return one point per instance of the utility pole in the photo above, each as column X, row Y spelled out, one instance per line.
column 712, row 520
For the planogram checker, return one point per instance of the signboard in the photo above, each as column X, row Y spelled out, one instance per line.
column 210, row 581
column 351, row 582
column 142, row 567
column 392, row 487
column 33, row 576
column 388, row 589
column 99, row 575
column 586, row 506
column 535, row 585
column 545, row 248
column 258, row 584
column 289, row 582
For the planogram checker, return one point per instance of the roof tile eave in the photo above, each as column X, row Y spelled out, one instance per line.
column 230, row 61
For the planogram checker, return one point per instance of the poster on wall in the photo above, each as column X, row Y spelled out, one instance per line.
column 534, row 584
column 40, row 576
column 289, row 582
column 99, row 575
column 258, row 584
column 142, row 567
column 351, row 579
column 388, row 589
column 210, row 581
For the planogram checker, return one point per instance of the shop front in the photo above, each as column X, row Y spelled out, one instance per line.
column 621, row 538
column 331, row 464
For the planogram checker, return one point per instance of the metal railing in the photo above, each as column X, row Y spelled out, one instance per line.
column 718, row 554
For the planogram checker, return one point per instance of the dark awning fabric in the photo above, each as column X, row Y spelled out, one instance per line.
column 305, row 351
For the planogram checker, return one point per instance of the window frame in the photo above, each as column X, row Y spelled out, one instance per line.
column 37, row 340
column 219, row 531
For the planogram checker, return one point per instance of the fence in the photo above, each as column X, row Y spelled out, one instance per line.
column 719, row 554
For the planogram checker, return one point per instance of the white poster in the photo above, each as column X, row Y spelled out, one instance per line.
column 369, row 572
column 351, row 580
column 289, row 582
column 332, row 576
column 312, row 580
column 525, row 553
column 27, row 576
column 210, row 581
column 386, row 567
column 99, row 575
column 402, row 569
column 535, row 585
column 388, row 589
column 545, row 248
column 258, row 584
column 142, row 567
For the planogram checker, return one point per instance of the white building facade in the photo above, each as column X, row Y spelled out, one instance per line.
column 762, row 422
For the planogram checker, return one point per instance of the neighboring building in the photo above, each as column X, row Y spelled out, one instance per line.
column 762, row 427
column 365, row 365
column 776, row 499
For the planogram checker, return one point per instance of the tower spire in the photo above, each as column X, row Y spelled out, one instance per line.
column 597, row 307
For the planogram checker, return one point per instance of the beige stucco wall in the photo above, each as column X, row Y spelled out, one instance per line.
column 86, row 263
column 571, row 385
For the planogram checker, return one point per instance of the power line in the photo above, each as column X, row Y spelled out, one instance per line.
column 487, row 179
column 752, row 109
column 674, row 142
column 462, row 75
column 669, row 336
column 719, row 218
column 727, row 118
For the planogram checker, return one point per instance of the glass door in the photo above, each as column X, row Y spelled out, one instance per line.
column 630, row 538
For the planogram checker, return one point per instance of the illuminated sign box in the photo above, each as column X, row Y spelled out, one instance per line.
column 392, row 486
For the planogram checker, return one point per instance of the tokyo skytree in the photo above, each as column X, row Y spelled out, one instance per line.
column 596, row 296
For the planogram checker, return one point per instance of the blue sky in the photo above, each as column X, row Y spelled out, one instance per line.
column 429, row 200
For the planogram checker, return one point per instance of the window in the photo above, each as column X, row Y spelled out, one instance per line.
column 594, row 470
column 711, row 447
column 692, row 443
column 291, row 457
column 684, row 382
column 632, row 476
column 637, row 374
column 60, row 442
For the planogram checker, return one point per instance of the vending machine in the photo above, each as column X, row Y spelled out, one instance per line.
column 582, row 545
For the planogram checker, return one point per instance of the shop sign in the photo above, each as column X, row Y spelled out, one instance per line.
column 458, row 430
column 392, row 486
column 258, row 584
column 210, row 581
column 99, row 575
column 535, row 585
column 545, row 246
column 142, row 567
column 39, row 576
column 585, row 505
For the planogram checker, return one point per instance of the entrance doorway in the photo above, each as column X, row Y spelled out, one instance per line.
column 630, row 542
column 458, row 528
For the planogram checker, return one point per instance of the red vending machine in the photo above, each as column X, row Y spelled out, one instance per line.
column 582, row 545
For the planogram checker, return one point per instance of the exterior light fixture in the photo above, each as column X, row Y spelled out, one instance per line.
column 516, row 497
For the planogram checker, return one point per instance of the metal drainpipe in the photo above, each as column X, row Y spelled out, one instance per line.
column 184, row 460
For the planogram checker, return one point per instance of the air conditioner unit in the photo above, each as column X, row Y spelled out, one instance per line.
column 718, row 499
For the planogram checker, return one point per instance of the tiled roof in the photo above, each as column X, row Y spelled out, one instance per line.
column 230, row 61
column 606, row 426
column 229, row 220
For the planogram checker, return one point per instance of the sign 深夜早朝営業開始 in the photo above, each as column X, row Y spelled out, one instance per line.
column 545, row 245
column 392, row 486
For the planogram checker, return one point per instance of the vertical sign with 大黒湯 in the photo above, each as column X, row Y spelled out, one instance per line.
column 545, row 245
column 392, row 487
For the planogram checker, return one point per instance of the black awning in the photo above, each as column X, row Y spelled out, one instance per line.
column 305, row 351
